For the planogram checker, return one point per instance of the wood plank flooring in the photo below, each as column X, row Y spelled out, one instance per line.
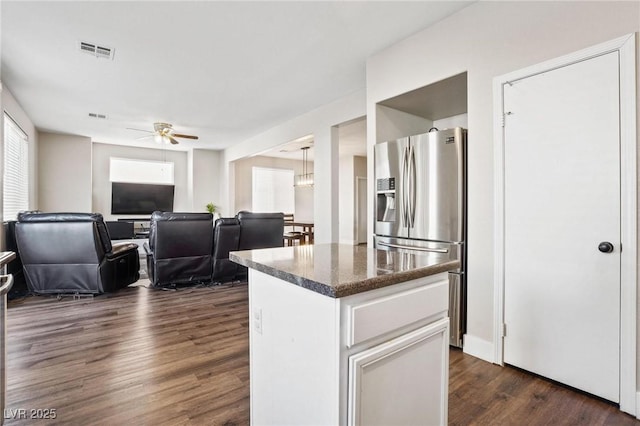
column 142, row 356
column 148, row 356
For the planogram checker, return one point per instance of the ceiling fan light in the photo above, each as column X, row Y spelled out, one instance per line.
column 158, row 139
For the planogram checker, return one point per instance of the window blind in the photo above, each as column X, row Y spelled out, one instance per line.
column 16, row 170
column 273, row 190
column 140, row 171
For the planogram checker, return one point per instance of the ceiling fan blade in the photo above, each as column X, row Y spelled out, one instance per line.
column 145, row 137
column 172, row 140
column 179, row 135
column 139, row 130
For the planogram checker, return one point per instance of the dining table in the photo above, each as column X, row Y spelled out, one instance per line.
column 307, row 229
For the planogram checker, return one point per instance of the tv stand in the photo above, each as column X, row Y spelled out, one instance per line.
column 143, row 229
column 135, row 219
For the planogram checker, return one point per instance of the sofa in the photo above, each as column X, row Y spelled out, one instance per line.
column 71, row 253
column 184, row 248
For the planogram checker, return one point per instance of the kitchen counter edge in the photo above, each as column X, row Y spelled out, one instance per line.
column 348, row 288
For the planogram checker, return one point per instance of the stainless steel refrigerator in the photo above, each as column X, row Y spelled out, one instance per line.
column 420, row 205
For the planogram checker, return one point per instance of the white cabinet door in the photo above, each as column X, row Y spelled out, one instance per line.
column 403, row 381
column 562, row 200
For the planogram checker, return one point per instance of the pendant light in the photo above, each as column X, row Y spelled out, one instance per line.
column 306, row 178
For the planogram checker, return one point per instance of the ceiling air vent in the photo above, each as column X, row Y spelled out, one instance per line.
column 94, row 115
column 95, row 50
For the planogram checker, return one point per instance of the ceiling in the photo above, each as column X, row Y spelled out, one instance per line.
column 352, row 140
column 225, row 71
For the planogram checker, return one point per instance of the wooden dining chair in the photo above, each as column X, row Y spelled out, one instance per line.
column 292, row 236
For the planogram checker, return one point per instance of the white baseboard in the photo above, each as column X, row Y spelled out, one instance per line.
column 478, row 347
column 637, row 405
column 347, row 242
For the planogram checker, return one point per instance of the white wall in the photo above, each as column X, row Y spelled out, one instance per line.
column 488, row 39
column 205, row 177
column 243, row 184
column 10, row 105
column 64, row 173
column 101, row 200
column 321, row 124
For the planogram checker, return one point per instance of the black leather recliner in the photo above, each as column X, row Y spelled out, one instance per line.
column 246, row 231
column 72, row 253
column 259, row 230
column 179, row 248
column 226, row 238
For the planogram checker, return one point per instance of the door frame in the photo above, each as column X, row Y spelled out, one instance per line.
column 626, row 46
column 361, row 187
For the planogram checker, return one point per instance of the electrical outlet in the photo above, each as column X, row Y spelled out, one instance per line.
column 257, row 320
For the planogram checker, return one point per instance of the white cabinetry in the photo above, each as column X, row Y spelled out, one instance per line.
column 377, row 357
column 403, row 381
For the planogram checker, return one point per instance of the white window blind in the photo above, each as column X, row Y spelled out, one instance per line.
column 16, row 170
column 140, row 171
column 273, row 190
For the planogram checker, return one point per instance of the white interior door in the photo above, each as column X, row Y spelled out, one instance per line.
column 562, row 199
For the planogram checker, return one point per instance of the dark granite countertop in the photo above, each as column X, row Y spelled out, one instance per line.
column 338, row 270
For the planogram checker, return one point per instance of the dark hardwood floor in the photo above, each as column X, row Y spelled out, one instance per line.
column 144, row 356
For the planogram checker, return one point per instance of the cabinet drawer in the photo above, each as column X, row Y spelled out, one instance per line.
column 379, row 316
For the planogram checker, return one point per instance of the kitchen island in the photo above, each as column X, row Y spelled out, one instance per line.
column 344, row 334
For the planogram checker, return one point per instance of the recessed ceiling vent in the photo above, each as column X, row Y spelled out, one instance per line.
column 94, row 115
column 95, row 50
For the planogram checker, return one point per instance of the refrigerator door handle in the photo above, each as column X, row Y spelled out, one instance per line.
column 7, row 282
column 412, row 177
column 409, row 187
column 400, row 246
column 404, row 201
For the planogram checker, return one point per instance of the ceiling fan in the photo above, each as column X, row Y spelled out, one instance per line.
column 164, row 132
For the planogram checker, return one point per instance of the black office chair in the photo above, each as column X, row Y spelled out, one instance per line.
column 179, row 248
column 71, row 253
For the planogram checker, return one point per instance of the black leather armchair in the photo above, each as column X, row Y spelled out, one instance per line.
column 226, row 238
column 260, row 230
column 72, row 253
column 246, row 231
column 179, row 248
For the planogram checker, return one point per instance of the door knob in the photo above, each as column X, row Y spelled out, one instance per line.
column 605, row 247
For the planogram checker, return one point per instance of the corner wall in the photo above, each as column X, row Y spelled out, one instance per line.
column 64, row 166
column 205, row 176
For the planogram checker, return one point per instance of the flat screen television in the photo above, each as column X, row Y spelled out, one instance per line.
column 140, row 198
